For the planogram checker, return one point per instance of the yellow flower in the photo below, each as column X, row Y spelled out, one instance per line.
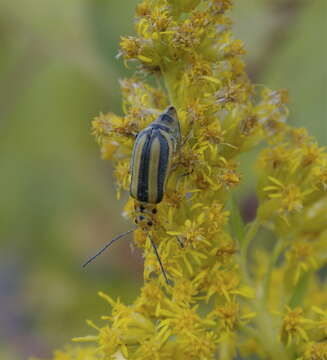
column 291, row 196
column 315, row 351
column 301, row 259
column 180, row 320
column 321, row 322
column 229, row 316
column 294, row 326
column 200, row 345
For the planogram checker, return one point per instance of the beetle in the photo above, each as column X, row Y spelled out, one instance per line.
column 151, row 163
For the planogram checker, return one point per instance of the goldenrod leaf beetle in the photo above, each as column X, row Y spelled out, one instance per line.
column 153, row 152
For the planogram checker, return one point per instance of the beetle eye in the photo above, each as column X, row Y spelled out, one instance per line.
column 171, row 111
column 150, row 223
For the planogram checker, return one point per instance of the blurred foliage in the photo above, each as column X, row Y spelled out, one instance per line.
column 58, row 70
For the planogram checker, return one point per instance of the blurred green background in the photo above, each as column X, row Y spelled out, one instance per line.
column 57, row 71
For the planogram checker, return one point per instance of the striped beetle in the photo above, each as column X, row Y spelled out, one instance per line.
column 153, row 151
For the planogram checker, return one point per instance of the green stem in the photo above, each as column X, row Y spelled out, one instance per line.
column 250, row 234
column 264, row 322
column 171, row 93
column 267, row 329
column 279, row 246
column 252, row 230
column 251, row 333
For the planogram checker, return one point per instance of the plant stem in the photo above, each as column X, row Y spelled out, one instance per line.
column 266, row 330
column 168, row 78
column 250, row 234
column 279, row 246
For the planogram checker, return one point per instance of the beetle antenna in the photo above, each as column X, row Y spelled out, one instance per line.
column 159, row 260
column 106, row 246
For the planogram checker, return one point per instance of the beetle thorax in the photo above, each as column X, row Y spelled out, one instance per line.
column 169, row 119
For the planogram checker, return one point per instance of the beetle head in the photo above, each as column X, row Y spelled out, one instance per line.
column 169, row 118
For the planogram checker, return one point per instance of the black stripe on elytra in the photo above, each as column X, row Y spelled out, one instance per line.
column 143, row 180
column 140, row 135
column 163, row 166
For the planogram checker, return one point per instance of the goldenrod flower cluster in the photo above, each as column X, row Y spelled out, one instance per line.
column 226, row 302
